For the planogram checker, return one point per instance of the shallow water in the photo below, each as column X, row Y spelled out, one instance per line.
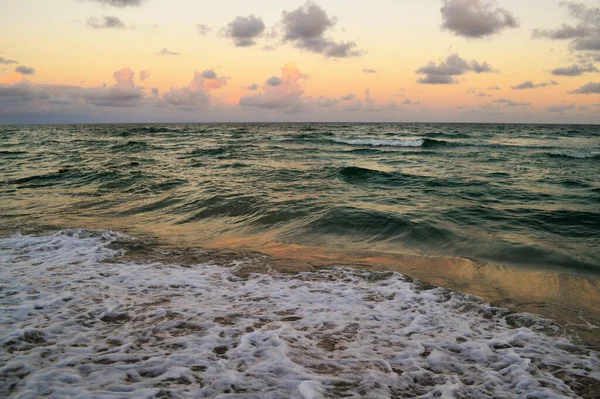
column 75, row 322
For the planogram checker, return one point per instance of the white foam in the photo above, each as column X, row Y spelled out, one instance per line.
column 75, row 325
column 382, row 143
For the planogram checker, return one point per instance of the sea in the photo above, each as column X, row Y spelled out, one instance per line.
column 300, row 260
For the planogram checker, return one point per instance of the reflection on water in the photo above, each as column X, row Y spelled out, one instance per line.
column 508, row 212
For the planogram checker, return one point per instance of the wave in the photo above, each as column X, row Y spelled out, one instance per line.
column 578, row 155
column 132, row 146
column 210, row 151
column 136, row 330
column 382, row 142
column 4, row 153
column 148, row 129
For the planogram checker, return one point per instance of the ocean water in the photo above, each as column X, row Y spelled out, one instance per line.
column 524, row 195
column 508, row 212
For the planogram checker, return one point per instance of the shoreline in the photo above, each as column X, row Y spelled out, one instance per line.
column 571, row 300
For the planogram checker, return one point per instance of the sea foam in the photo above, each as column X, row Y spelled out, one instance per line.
column 77, row 323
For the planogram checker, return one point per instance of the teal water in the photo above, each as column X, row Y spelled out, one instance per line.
column 523, row 195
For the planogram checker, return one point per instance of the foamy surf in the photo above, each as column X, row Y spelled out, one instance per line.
column 77, row 324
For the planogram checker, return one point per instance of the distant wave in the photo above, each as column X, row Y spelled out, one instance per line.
column 579, row 155
column 384, row 143
column 148, row 129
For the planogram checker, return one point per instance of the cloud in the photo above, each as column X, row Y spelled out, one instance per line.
column 589, row 88
column 481, row 68
column 144, row 75
column 583, row 36
column 253, row 86
column 560, row 108
column 120, row 3
column 348, row 97
column 493, row 88
column 475, row 18
column 444, row 72
column 25, row 70
column 122, row 94
column 106, row 22
column 154, row 91
column 286, row 95
column 369, row 70
column 165, row 51
column 511, row 103
column 530, row 85
column 244, row 30
column 574, row 70
column 307, row 26
column 195, row 95
column 437, row 80
column 6, row 61
column 274, row 81
column 203, row 30
column 409, row 102
column 482, row 94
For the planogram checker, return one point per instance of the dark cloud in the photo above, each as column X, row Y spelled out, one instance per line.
column 369, row 70
column 348, row 97
column 564, row 32
column 244, row 30
column 253, row 86
column 530, row 85
column 493, row 88
column 307, row 26
column 589, row 88
column 274, row 81
column 203, row 30
column 560, row 107
column 511, row 103
column 475, row 18
column 21, row 91
column 481, row 68
column 482, row 94
column 154, row 91
column 574, row 70
column 106, row 22
column 25, row 70
column 444, row 71
column 113, row 96
column 437, row 80
column 120, row 3
column 144, row 75
column 6, row 61
column 583, row 35
column 165, row 51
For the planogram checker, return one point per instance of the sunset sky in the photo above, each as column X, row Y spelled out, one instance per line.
column 75, row 61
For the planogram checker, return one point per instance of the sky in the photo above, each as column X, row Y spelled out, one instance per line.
column 116, row 61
